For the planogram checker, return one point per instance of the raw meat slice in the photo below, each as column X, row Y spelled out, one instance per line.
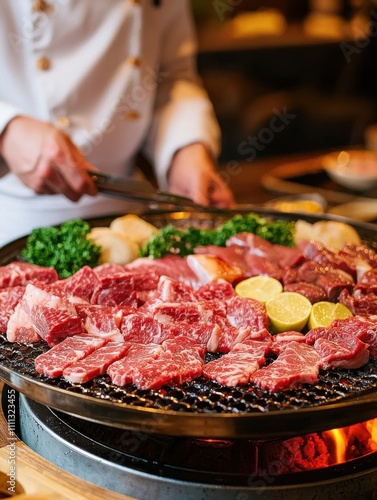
column 146, row 279
column 143, row 329
column 21, row 273
column 258, row 348
column 297, row 364
column 213, row 311
column 251, row 242
column 170, row 265
column 288, row 256
column 216, row 290
column 364, row 329
column 9, row 298
column 315, row 333
column 9, row 277
column 28, row 316
column 96, row 363
column 230, row 336
column 203, row 321
column 144, row 296
column 312, row 292
column 263, row 334
column 231, row 369
column 20, row 327
column 258, row 265
column 152, row 366
column 243, row 312
column 360, row 252
column 177, row 312
column 122, row 372
column 209, row 268
column 156, row 372
column 72, row 349
column 114, row 290
column 255, row 245
column 109, row 269
column 182, row 360
column 281, row 340
column 206, row 336
column 170, row 290
column 236, row 367
column 360, row 305
column 291, row 276
column 101, row 321
column 314, row 250
column 81, row 284
column 54, row 325
column 333, row 281
column 233, row 256
column 344, row 352
column 366, row 285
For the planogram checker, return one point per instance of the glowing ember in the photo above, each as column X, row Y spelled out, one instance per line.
column 316, row 451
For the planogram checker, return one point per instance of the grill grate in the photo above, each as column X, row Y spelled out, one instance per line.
column 199, row 395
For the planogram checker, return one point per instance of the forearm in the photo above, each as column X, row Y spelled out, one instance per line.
column 7, row 113
column 45, row 159
column 193, row 173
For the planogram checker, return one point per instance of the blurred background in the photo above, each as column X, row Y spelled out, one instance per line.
column 289, row 76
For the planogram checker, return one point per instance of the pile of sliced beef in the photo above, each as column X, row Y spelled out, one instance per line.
column 152, row 322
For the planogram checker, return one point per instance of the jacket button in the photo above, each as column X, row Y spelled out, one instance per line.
column 42, row 6
column 131, row 114
column 43, row 63
column 134, row 61
column 63, row 122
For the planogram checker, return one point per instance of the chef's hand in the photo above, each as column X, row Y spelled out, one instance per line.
column 193, row 174
column 45, row 159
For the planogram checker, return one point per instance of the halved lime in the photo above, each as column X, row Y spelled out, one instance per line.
column 288, row 311
column 262, row 288
column 323, row 314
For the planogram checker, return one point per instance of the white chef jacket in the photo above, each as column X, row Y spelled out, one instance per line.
column 116, row 75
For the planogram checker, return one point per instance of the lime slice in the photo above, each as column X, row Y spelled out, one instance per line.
column 288, row 311
column 262, row 288
column 323, row 314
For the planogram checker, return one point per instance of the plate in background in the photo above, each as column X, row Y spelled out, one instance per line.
column 355, row 169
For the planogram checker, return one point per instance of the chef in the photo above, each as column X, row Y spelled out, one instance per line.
column 88, row 84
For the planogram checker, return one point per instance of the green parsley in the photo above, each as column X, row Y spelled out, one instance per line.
column 66, row 248
column 182, row 242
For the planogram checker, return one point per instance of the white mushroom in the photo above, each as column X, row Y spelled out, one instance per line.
column 134, row 227
column 117, row 247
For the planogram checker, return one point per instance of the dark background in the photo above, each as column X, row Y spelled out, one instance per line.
column 332, row 95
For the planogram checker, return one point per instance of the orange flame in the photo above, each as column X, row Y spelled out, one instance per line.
column 372, row 429
column 339, row 438
column 350, row 442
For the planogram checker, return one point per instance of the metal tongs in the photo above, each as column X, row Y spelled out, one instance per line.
column 139, row 190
